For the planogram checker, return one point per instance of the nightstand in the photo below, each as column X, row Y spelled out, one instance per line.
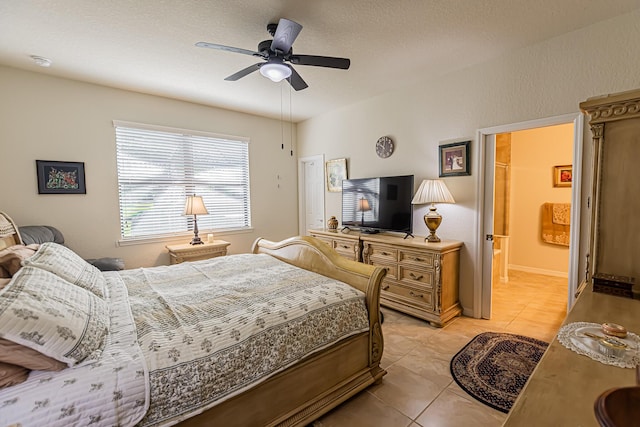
column 188, row 252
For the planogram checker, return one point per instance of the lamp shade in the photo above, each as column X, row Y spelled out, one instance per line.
column 195, row 206
column 432, row 191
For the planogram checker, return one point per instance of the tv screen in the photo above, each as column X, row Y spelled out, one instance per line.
column 378, row 204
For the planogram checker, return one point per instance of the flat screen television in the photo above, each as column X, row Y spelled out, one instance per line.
column 378, row 204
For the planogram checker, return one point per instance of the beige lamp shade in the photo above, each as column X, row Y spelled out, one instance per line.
column 432, row 191
column 195, row 206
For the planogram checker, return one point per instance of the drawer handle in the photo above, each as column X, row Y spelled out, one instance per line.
column 385, row 287
column 416, row 295
column 345, row 246
column 384, row 253
column 414, row 258
column 416, row 276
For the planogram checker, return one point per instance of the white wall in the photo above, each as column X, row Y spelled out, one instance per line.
column 534, row 153
column 48, row 118
column 548, row 79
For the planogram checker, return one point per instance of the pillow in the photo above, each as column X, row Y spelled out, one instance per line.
column 12, row 375
column 11, row 257
column 17, row 354
column 44, row 312
column 65, row 263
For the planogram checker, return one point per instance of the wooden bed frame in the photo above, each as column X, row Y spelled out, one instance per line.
column 317, row 384
column 9, row 234
column 312, row 387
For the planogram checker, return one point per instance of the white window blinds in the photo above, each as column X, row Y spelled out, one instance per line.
column 159, row 167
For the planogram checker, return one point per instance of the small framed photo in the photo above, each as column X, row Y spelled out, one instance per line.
column 60, row 177
column 562, row 176
column 336, row 171
column 455, row 159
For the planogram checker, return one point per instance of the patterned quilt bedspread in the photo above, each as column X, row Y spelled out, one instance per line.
column 211, row 329
column 186, row 337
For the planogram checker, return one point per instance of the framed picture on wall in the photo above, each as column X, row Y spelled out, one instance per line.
column 336, row 171
column 454, row 159
column 60, row 177
column 562, row 176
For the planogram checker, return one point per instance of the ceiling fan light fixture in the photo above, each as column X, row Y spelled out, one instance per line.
column 275, row 71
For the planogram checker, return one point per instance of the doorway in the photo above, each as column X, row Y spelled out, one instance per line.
column 310, row 193
column 496, row 234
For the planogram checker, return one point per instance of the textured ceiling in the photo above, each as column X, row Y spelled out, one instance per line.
column 148, row 45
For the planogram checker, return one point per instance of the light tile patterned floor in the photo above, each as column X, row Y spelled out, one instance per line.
column 418, row 390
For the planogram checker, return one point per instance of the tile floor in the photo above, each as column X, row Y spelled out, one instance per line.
column 418, row 390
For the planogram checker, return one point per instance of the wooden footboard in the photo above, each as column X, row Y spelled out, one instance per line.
column 319, row 383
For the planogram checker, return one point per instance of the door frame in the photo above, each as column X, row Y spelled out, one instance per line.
column 302, row 214
column 482, row 289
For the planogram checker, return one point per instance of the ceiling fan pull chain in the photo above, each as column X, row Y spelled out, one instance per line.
column 290, row 121
column 281, row 120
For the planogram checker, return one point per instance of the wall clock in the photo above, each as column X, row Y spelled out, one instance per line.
column 384, row 147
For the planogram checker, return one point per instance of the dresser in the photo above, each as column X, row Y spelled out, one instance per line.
column 189, row 252
column 564, row 386
column 346, row 244
column 422, row 278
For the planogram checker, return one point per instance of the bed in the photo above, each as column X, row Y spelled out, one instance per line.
column 307, row 338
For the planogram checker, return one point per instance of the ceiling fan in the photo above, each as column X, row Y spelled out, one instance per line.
column 278, row 51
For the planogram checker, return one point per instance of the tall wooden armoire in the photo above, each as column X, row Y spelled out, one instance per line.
column 615, row 223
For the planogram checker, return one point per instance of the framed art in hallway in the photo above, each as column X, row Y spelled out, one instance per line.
column 336, row 171
column 60, row 177
column 562, row 176
column 455, row 159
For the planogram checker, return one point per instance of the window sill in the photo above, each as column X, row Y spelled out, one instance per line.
column 174, row 237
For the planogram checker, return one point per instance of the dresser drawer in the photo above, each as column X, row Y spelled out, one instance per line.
column 347, row 248
column 392, row 269
column 419, row 297
column 417, row 259
column 416, row 275
column 382, row 253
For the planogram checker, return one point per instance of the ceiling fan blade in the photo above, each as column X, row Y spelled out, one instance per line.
column 296, row 81
column 321, row 61
column 228, row 48
column 240, row 74
column 286, row 33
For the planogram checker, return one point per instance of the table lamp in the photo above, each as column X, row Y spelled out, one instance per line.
column 195, row 206
column 432, row 191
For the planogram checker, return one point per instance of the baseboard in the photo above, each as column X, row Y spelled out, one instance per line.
column 526, row 269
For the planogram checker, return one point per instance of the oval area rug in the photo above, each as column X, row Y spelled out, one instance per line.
column 494, row 367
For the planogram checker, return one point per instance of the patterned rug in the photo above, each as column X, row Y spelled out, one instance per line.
column 493, row 367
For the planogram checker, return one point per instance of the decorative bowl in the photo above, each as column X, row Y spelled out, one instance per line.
column 614, row 330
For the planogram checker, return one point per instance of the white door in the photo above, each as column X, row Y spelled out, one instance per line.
column 487, row 223
column 311, row 193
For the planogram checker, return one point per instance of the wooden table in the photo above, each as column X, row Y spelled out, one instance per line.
column 565, row 384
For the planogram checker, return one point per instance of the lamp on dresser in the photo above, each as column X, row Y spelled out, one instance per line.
column 432, row 191
column 195, row 206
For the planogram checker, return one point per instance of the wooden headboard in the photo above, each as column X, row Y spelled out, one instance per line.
column 9, row 234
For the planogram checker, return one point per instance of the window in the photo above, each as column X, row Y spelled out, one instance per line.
column 158, row 167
